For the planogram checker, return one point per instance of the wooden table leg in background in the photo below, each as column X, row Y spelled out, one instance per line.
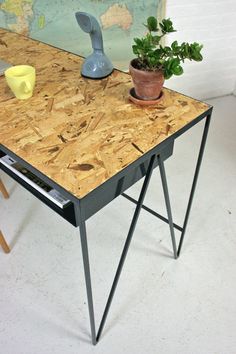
column 3, row 190
column 3, row 243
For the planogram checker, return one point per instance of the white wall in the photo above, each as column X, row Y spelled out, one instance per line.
column 212, row 23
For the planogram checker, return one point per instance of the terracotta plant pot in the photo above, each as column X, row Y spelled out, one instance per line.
column 147, row 84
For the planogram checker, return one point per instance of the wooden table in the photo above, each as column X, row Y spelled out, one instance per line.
column 85, row 139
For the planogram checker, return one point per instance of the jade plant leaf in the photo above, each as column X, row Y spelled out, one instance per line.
column 152, row 24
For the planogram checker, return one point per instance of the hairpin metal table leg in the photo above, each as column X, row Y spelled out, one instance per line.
column 199, row 161
column 127, row 243
column 167, row 201
column 84, row 246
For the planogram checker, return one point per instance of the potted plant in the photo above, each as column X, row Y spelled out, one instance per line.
column 154, row 63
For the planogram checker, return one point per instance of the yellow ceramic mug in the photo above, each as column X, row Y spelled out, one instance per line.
column 21, row 80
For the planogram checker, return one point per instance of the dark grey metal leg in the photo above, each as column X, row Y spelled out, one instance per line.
column 167, row 201
column 151, row 211
column 199, row 161
column 127, row 244
column 139, row 205
column 84, row 247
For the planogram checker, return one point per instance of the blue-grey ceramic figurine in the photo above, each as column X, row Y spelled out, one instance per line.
column 97, row 65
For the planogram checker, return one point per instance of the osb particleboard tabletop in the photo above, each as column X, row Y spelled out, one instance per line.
column 76, row 131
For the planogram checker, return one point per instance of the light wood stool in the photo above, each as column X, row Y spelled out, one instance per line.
column 3, row 190
column 3, row 243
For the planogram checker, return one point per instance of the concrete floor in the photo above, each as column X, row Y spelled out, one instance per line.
column 162, row 306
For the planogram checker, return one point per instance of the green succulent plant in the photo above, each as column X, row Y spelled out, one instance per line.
column 152, row 56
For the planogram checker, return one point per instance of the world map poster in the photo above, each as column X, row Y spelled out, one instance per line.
column 54, row 22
